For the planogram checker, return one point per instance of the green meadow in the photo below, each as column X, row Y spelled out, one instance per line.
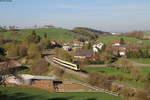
column 12, row 93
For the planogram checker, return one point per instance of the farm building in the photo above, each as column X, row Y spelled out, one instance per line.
column 26, row 79
column 12, row 64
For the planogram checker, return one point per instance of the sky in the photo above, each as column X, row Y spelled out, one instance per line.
column 107, row 15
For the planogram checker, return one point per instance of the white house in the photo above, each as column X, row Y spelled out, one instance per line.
column 66, row 47
column 97, row 47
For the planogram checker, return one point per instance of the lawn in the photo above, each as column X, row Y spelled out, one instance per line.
column 110, row 39
column 33, row 94
column 141, row 60
column 53, row 33
column 145, row 70
column 114, row 71
column 107, row 71
column 132, row 83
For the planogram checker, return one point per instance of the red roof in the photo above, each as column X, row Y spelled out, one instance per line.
column 10, row 64
column 117, row 41
column 95, row 57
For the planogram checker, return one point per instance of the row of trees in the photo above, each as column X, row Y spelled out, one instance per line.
column 135, row 34
column 138, row 53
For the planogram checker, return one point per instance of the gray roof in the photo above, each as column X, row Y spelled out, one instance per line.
column 86, row 53
column 44, row 78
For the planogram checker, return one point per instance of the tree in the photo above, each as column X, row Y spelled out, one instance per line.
column 34, row 51
column 44, row 43
column 12, row 49
column 145, row 53
column 93, row 79
column 59, row 72
column 2, row 54
column 22, row 51
column 106, row 57
column 122, row 41
column 5, row 70
column 126, row 65
column 135, row 72
column 62, row 54
column 40, row 67
column 32, row 38
column 99, row 80
column 142, row 95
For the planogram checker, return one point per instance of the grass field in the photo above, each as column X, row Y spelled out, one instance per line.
column 53, row 33
column 110, row 39
column 141, row 60
column 32, row 94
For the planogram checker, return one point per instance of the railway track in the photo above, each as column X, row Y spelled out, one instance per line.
column 81, row 75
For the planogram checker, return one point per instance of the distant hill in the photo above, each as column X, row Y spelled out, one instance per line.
column 59, row 34
column 52, row 33
column 88, row 33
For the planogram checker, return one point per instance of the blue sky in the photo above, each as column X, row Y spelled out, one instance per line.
column 108, row 15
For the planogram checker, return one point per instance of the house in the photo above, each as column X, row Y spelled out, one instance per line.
column 119, row 50
column 82, row 54
column 95, row 58
column 77, row 45
column 67, row 47
column 54, row 44
column 73, row 46
column 97, row 47
column 9, row 65
column 116, row 43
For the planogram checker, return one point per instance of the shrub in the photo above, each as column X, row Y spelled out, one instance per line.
column 59, row 72
column 40, row 67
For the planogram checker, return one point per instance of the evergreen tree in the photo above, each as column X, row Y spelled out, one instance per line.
column 122, row 41
column 2, row 54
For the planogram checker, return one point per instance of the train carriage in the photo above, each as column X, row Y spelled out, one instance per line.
column 66, row 64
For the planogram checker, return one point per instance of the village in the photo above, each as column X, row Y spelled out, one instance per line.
column 74, row 50
column 68, row 73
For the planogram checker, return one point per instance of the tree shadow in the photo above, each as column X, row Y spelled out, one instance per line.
column 16, row 96
column 91, row 99
column 59, row 98
column 83, row 71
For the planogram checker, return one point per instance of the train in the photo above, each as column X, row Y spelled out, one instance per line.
column 66, row 64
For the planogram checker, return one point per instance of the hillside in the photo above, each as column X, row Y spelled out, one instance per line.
column 53, row 33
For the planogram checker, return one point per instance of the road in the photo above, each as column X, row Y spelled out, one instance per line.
column 104, row 65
